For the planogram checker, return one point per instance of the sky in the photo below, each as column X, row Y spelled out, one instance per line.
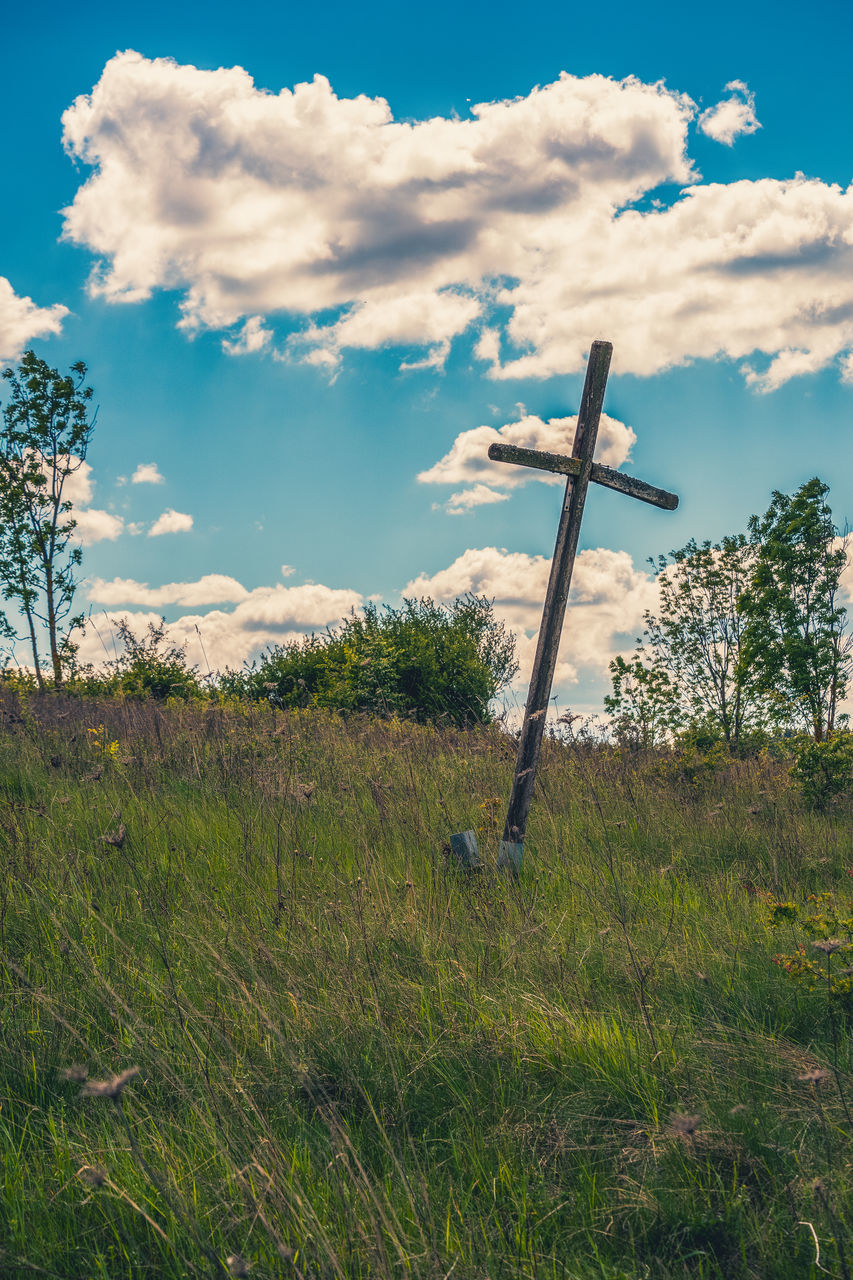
column 318, row 258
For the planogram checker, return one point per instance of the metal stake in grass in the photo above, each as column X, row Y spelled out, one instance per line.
column 580, row 469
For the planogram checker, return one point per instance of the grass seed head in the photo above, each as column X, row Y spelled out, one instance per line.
column 817, row 1075
column 76, row 1073
column 91, row 1175
column 113, row 1088
column 685, row 1125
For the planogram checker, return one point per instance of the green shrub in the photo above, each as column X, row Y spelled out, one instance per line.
column 149, row 667
column 425, row 661
column 825, row 963
column 17, row 679
column 823, row 769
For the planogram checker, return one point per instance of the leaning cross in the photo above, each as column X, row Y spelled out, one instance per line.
column 580, row 469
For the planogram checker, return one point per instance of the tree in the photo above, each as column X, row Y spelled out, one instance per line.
column 689, row 669
column 797, row 648
column 644, row 704
column 43, row 440
column 428, row 661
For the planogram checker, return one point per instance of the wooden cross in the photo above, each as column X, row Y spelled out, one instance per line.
column 580, row 469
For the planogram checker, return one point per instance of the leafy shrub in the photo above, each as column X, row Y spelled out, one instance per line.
column 150, row 666
column 825, row 962
column 17, row 679
column 425, row 661
column 700, row 754
column 823, row 770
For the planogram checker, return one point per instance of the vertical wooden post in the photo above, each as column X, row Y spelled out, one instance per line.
column 530, row 742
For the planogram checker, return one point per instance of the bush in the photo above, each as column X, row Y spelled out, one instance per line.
column 823, row 770
column 424, row 661
column 149, row 667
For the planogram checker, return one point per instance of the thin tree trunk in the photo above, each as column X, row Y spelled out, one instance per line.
column 51, row 629
column 33, row 640
column 47, row 554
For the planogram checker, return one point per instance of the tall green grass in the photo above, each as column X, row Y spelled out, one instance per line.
column 356, row 1061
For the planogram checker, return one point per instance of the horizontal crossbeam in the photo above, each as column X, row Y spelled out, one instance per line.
column 566, row 466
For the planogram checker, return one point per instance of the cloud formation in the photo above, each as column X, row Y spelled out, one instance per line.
column 253, row 336
column 731, row 117
column 170, row 522
column 91, row 524
column 467, row 499
column 213, row 588
column 467, row 461
column 534, row 225
column 265, row 616
column 147, row 473
column 21, row 320
column 78, row 487
column 96, row 526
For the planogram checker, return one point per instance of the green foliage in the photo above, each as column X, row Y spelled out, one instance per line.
column 795, row 642
column 824, row 769
column 748, row 638
column 425, row 661
column 19, row 679
column 689, row 668
column 149, row 666
column 697, row 634
column 700, row 753
column 825, row 962
column 643, row 706
column 43, row 441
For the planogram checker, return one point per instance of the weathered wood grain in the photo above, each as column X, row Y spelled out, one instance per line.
column 599, row 474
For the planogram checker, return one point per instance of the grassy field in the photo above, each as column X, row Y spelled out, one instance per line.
column 353, row 1060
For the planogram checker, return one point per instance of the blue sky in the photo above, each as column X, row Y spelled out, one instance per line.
column 315, row 246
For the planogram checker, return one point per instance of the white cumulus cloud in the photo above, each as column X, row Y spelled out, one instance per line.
column 731, row 117
column 147, row 473
column 466, row 499
column 213, row 588
column 79, row 487
column 265, row 616
column 520, row 224
column 21, row 320
column 252, row 336
column 170, row 522
column 415, row 318
column 91, row 525
column 96, row 526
